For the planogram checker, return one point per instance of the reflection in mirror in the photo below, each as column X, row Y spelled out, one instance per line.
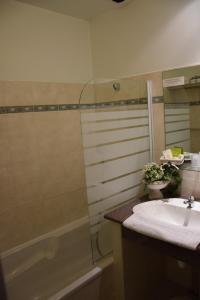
column 182, row 109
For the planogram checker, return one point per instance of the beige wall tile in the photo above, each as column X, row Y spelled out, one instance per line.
column 132, row 87
column 6, row 190
column 181, row 95
column 195, row 127
column 30, row 93
column 190, row 184
column 20, row 224
column 195, row 140
column 41, row 174
column 87, row 94
column 194, row 117
column 64, row 208
column 23, row 221
column 156, row 78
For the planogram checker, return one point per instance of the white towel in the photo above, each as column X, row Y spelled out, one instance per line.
column 176, row 234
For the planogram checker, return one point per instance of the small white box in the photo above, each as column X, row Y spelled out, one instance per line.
column 175, row 81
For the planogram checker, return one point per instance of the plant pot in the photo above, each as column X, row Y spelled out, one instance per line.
column 155, row 189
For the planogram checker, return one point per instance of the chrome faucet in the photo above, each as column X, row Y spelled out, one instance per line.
column 189, row 201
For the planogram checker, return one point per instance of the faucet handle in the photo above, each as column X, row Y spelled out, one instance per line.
column 191, row 198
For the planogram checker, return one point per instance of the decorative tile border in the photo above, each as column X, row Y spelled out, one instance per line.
column 195, row 103
column 61, row 107
column 175, row 105
column 158, row 99
column 191, row 103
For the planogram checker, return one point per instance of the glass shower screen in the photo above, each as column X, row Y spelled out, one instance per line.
column 116, row 144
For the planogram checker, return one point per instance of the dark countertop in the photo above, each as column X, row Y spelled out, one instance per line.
column 120, row 214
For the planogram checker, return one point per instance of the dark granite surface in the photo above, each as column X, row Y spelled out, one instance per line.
column 120, row 214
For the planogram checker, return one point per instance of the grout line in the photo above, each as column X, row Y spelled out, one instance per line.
column 116, row 158
column 121, row 176
column 114, row 129
column 117, row 142
column 115, row 119
column 174, row 143
column 169, row 122
column 178, row 130
column 115, row 194
column 175, row 115
column 115, row 178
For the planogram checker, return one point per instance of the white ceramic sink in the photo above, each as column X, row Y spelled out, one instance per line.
column 174, row 211
column 168, row 220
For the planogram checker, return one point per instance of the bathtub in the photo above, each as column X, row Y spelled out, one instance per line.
column 55, row 266
column 85, row 288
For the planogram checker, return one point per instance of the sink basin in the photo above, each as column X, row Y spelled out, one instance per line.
column 174, row 211
column 169, row 220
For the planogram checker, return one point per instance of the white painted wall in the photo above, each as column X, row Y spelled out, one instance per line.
column 40, row 45
column 146, row 36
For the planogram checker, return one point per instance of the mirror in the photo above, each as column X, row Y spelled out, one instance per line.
column 181, row 90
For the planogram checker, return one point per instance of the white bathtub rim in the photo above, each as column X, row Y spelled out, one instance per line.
column 77, row 284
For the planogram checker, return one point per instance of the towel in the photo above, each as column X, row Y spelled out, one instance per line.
column 180, row 235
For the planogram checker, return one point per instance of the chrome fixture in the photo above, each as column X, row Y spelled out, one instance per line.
column 189, row 201
column 118, row 1
column 116, row 86
column 121, row 3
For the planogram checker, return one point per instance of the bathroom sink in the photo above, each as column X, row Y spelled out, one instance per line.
column 169, row 220
column 173, row 211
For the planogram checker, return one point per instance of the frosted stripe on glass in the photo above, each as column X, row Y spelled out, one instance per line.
column 90, row 127
column 177, row 126
column 95, row 116
column 113, row 136
column 113, row 201
column 177, row 118
column 175, row 110
column 103, row 190
column 102, row 153
column 108, row 170
column 173, row 137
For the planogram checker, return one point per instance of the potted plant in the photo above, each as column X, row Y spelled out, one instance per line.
column 158, row 177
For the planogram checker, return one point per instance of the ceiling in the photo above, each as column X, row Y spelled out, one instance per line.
column 83, row 9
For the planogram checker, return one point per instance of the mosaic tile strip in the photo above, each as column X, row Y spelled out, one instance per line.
column 68, row 106
column 176, row 105
column 158, row 99
column 183, row 103
column 41, row 108
column 195, row 103
column 61, row 107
